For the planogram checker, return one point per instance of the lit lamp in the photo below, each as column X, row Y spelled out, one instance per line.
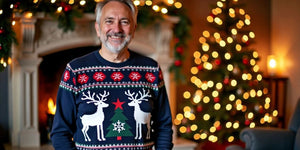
column 272, row 65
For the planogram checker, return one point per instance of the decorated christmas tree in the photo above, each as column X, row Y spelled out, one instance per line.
column 119, row 127
column 229, row 93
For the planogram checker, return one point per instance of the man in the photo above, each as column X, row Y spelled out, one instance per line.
column 112, row 98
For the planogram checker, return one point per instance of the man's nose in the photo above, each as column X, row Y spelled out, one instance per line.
column 117, row 27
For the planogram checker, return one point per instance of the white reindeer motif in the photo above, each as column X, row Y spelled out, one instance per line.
column 139, row 116
column 95, row 119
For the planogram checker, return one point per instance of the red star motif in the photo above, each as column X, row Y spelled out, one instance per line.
column 118, row 104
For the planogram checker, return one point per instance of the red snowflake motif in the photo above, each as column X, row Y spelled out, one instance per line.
column 135, row 76
column 83, row 78
column 150, row 77
column 99, row 76
column 66, row 75
column 117, row 76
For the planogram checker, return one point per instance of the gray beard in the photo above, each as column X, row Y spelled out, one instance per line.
column 115, row 49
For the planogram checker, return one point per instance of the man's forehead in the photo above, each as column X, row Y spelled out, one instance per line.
column 118, row 8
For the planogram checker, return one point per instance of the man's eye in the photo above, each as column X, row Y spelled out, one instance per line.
column 125, row 22
column 109, row 21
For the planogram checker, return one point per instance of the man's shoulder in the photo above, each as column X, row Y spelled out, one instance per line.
column 83, row 60
column 143, row 60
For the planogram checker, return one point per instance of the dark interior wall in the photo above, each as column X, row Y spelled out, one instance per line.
column 4, row 128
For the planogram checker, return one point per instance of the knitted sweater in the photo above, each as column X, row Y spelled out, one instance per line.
column 104, row 105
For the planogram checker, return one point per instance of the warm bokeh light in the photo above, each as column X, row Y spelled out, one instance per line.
column 186, row 94
column 51, row 106
column 155, row 8
column 272, row 65
column 28, row 15
column 178, row 5
column 164, row 10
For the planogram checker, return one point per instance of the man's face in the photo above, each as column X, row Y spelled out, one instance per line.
column 116, row 27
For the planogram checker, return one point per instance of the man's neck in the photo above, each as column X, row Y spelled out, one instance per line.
column 114, row 57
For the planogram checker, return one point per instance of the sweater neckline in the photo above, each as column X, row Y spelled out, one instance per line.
column 112, row 64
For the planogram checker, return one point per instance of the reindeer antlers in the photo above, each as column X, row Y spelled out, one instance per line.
column 88, row 97
column 142, row 95
column 103, row 96
column 91, row 97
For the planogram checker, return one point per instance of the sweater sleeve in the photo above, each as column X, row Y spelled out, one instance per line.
column 64, row 123
column 163, row 123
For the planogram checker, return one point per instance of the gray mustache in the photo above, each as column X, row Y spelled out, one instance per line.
column 122, row 35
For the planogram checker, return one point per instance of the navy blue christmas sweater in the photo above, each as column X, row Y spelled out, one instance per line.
column 104, row 105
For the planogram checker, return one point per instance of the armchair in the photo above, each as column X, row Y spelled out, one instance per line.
column 261, row 138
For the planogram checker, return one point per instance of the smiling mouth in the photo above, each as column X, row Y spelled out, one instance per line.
column 116, row 38
column 116, row 35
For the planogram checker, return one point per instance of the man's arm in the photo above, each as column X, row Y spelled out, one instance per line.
column 164, row 122
column 64, row 123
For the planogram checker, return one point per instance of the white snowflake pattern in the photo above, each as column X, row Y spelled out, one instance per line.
column 118, row 126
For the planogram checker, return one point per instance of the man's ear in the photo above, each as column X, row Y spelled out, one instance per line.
column 97, row 28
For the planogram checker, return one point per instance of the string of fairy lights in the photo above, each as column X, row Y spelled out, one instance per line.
column 61, row 8
column 210, row 58
column 155, row 7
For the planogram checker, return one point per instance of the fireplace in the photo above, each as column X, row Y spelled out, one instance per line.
column 49, row 74
column 41, row 42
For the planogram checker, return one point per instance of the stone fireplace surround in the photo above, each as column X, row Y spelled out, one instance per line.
column 39, row 36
